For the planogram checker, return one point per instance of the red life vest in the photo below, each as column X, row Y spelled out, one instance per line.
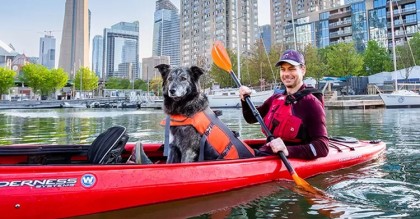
column 217, row 140
column 280, row 119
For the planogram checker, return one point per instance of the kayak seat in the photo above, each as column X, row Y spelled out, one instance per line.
column 108, row 146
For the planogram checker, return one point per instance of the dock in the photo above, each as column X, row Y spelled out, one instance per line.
column 355, row 102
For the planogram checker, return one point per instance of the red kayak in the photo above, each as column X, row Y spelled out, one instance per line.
column 56, row 181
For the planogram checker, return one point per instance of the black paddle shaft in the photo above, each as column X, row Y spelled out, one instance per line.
column 257, row 115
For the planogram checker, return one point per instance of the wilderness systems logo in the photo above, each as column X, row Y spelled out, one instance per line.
column 88, row 180
column 42, row 183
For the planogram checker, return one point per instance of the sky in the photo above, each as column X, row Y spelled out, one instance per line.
column 23, row 22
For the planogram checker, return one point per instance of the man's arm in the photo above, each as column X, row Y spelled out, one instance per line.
column 263, row 109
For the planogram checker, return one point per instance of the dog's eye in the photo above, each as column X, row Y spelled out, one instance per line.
column 170, row 79
column 183, row 78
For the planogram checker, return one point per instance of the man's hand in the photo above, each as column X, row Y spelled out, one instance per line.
column 278, row 145
column 244, row 91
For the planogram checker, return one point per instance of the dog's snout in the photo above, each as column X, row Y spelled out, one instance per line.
column 172, row 91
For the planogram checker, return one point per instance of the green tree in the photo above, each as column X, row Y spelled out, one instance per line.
column 55, row 79
column 42, row 80
column 125, row 83
column 88, row 78
column 405, row 59
column 112, row 83
column 415, row 47
column 274, row 55
column 117, row 83
column 140, row 84
column 376, row 58
column 323, row 54
column 315, row 68
column 260, row 64
column 156, row 85
column 6, row 80
column 34, row 76
column 343, row 60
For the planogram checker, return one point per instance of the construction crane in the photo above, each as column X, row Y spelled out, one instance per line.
column 49, row 32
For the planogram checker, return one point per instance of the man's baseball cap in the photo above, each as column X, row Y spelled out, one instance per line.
column 292, row 57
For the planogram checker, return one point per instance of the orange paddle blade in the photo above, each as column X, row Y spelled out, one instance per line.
column 220, row 57
column 306, row 186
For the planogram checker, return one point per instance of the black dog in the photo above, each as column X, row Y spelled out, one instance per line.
column 183, row 98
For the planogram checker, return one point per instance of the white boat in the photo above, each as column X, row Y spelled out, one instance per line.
column 73, row 105
column 398, row 98
column 401, row 98
column 229, row 98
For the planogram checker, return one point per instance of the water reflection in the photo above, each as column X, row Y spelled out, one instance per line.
column 68, row 126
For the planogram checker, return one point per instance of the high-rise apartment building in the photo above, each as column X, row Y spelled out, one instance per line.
column 323, row 23
column 166, row 36
column 406, row 21
column 294, row 21
column 234, row 22
column 97, row 55
column 74, row 48
column 266, row 36
column 47, row 51
column 121, row 51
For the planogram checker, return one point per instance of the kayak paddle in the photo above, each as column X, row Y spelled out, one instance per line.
column 222, row 60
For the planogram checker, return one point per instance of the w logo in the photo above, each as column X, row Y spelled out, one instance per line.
column 88, row 180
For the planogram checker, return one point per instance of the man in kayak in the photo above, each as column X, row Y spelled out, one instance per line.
column 296, row 117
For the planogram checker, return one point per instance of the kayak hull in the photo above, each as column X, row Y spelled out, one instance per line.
column 65, row 190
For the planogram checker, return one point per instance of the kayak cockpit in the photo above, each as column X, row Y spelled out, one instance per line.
column 111, row 147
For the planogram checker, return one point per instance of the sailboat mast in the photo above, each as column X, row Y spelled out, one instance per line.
column 237, row 41
column 394, row 58
column 293, row 23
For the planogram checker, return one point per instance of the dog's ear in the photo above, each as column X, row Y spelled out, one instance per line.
column 197, row 71
column 164, row 69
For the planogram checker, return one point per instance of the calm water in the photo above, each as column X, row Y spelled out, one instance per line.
column 385, row 188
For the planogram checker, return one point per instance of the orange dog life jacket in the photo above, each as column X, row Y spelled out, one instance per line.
column 217, row 140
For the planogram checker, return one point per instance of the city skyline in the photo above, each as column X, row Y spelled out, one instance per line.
column 28, row 21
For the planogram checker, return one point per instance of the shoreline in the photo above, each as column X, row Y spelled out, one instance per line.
column 341, row 102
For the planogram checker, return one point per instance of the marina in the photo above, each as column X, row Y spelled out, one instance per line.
column 216, row 101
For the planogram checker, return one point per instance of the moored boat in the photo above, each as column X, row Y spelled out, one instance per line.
column 55, row 181
column 401, row 98
column 229, row 98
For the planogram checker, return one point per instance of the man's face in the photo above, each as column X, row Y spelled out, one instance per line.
column 291, row 75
